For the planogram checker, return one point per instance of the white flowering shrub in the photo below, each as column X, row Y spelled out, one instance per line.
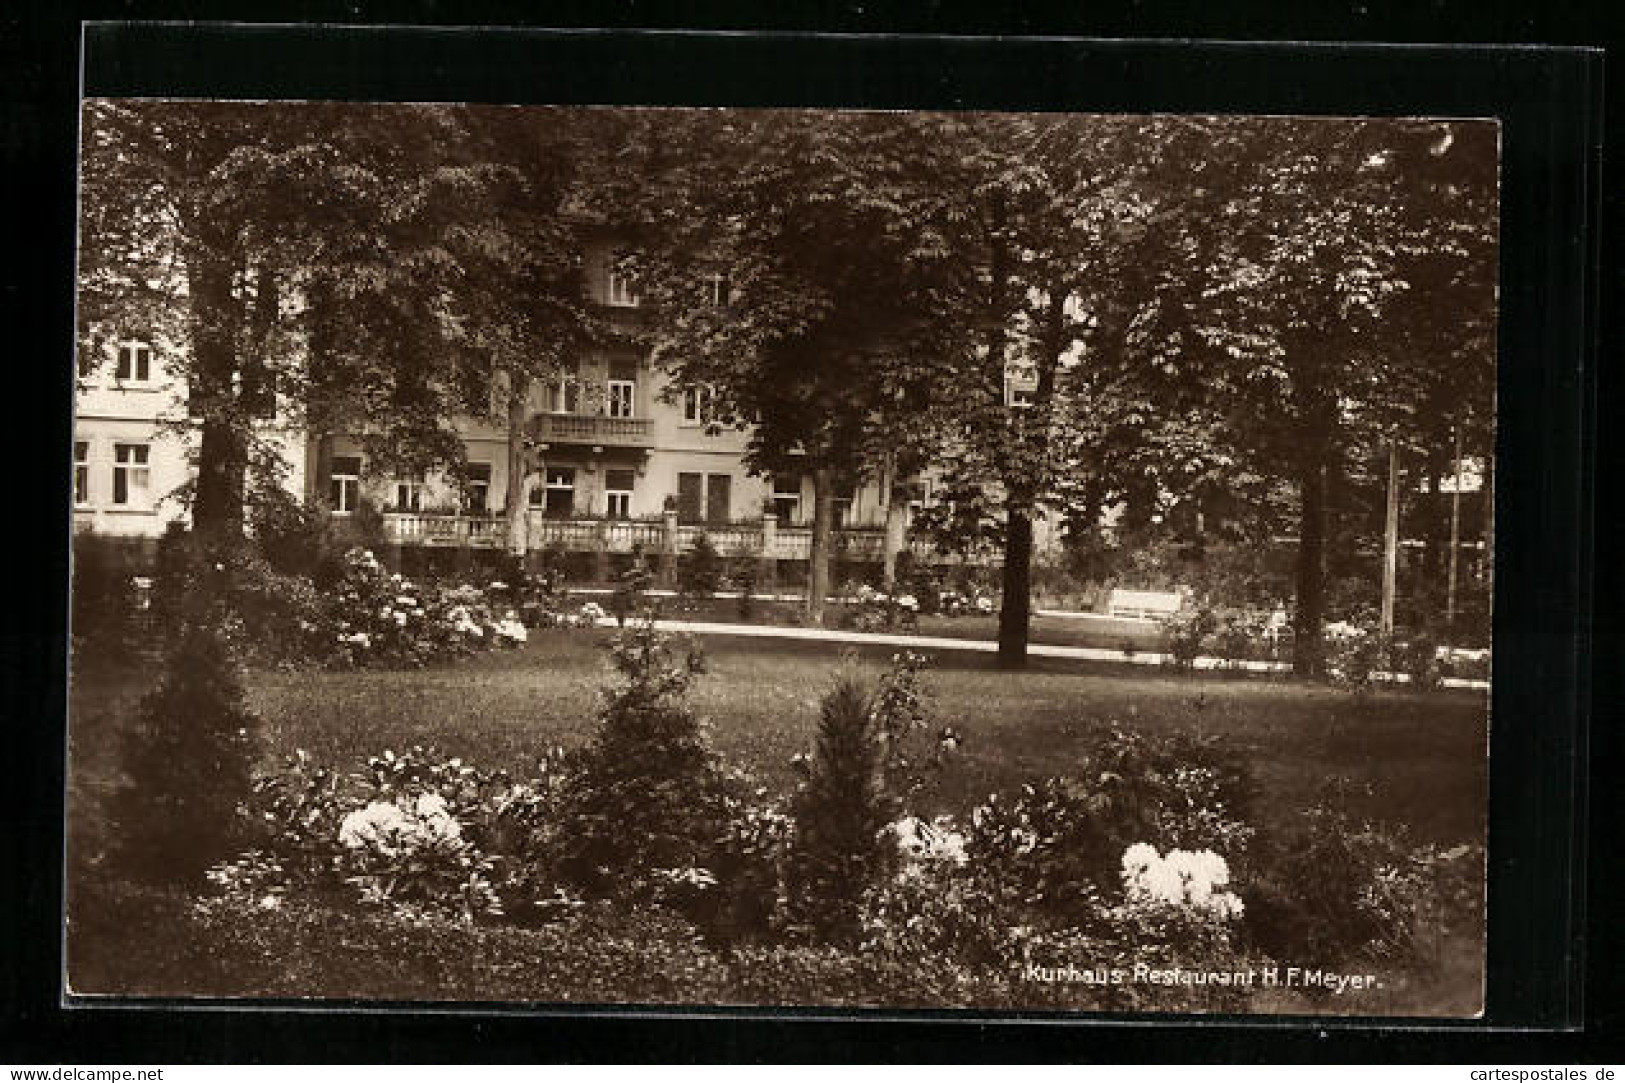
column 924, row 843
column 379, row 618
column 418, row 833
column 410, row 853
column 1355, row 653
column 877, row 611
column 1198, row 880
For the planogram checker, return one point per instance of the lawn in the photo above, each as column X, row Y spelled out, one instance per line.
column 1423, row 756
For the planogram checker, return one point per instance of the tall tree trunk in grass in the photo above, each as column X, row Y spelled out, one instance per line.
column 518, row 403
column 1311, row 571
column 818, row 556
column 1016, row 611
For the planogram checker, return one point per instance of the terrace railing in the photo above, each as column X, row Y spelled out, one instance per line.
column 417, row 528
column 766, row 539
column 594, row 429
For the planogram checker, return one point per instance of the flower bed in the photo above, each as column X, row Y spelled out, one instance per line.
column 1148, row 852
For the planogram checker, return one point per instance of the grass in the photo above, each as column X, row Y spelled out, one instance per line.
column 1422, row 756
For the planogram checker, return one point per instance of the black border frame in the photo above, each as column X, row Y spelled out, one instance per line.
column 1550, row 105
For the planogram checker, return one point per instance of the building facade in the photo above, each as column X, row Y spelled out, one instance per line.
column 619, row 457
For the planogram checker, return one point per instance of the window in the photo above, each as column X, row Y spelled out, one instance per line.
column 559, row 492
column 618, row 287
column 81, row 472
column 134, row 363
column 697, row 405
column 787, row 496
column 476, row 488
column 618, row 493
column 622, row 398
column 690, row 497
column 131, row 475
column 718, row 290
column 718, row 498
column 564, row 395
column 1020, row 384
column 344, row 489
column 409, row 493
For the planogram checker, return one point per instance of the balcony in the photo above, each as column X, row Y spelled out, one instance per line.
column 593, row 429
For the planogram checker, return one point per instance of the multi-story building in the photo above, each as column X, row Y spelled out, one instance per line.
column 620, row 457
column 133, row 443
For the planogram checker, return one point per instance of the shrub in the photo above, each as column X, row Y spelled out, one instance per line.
column 631, row 590
column 1336, row 888
column 841, row 814
column 744, row 580
column 647, row 800
column 295, row 539
column 1418, row 657
column 1355, row 653
column 186, row 759
column 414, row 833
column 1057, row 848
column 1186, row 633
column 699, row 571
column 103, row 597
column 879, row 612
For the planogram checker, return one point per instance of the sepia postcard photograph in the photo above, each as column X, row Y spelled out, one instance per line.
column 782, row 558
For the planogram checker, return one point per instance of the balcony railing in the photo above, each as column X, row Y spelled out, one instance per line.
column 414, row 528
column 594, row 429
column 652, row 536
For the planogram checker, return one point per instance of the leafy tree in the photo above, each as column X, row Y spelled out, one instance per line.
column 797, row 264
column 358, row 262
column 1328, row 228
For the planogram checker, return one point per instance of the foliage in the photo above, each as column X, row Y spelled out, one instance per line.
column 1340, row 888
column 1356, row 653
column 841, row 812
column 1187, row 633
column 102, row 597
column 647, row 802
column 876, row 611
column 1057, row 847
column 700, row 570
column 1417, row 656
column 186, row 759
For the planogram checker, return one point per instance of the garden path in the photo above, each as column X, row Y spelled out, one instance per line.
column 1039, row 650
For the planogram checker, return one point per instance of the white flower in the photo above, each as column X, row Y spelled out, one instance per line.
column 271, row 902
column 984, row 604
column 1193, row 879
column 936, row 841
column 380, row 824
column 510, row 629
column 908, row 601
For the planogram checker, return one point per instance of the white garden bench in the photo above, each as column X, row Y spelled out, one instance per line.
column 1144, row 604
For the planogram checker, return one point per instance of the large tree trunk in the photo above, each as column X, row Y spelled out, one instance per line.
column 223, row 447
column 818, row 557
column 518, row 405
column 1307, row 647
column 1015, row 612
column 896, row 538
column 891, row 542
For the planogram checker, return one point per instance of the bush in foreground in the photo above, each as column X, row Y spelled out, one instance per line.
column 186, row 759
